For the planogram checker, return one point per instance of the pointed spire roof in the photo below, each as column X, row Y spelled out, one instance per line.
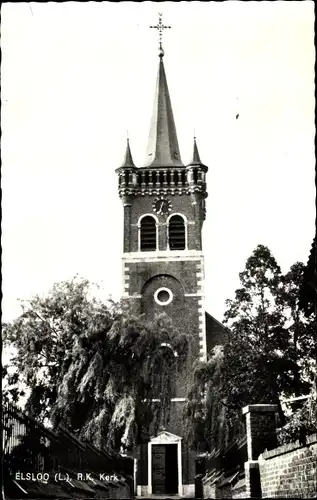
column 163, row 149
column 196, row 157
column 128, row 160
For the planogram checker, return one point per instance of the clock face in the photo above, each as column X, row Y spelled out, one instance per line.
column 162, row 206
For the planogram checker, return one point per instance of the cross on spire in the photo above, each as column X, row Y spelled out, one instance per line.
column 160, row 27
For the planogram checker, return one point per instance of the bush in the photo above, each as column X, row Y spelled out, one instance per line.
column 301, row 423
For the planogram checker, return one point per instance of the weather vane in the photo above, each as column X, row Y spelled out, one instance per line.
column 160, row 27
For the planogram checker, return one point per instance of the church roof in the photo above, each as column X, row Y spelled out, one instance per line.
column 128, row 160
column 163, row 149
column 216, row 333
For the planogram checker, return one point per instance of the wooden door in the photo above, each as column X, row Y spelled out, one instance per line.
column 158, row 468
column 171, row 467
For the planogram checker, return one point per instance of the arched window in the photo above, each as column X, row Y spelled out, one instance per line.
column 177, row 233
column 148, row 234
column 168, row 346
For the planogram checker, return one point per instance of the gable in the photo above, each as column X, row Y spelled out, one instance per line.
column 165, row 437
column 216, row 333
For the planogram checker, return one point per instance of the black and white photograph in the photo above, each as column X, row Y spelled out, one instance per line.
column 158, row 250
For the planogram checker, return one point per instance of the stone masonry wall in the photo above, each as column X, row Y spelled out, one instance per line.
column 290, row 470
column 287, row 471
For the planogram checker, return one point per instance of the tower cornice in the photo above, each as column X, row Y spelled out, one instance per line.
column 134, row 191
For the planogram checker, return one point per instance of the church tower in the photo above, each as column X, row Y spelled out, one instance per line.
column 163, row 268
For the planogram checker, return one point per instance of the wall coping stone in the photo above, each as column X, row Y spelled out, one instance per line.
column 251, row 464
column 259, row 408
column 286, row 448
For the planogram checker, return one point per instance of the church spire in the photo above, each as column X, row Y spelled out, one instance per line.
column 163, row 149
column 128, row 160
column 195, row 158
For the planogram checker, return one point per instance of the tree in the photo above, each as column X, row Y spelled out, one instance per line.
column 302, row 348
column 93, row 367
column 256, row 368
column 251, row 367
column 270, row 352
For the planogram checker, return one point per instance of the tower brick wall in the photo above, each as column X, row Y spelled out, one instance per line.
column 184, row 278
column 138, row 206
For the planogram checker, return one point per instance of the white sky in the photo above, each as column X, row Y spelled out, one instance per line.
column 76, row 76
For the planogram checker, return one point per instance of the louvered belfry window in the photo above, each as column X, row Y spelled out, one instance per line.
column 148, row 234
column 177, row 233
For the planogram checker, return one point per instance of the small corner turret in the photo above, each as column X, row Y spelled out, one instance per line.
column 126, row 174
column 196, row 175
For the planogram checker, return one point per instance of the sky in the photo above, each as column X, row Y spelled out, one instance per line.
column 77, row 76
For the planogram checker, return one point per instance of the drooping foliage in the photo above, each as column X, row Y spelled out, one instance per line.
column 205, row 407
column 93, row 367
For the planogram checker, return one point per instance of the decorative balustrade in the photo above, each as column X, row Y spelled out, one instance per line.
column 169, row 178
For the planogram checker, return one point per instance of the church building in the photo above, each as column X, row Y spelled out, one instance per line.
column 163, row 270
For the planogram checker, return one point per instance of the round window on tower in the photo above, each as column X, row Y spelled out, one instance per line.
column 163, row 296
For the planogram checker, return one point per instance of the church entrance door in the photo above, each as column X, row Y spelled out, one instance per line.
column 164, row 469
